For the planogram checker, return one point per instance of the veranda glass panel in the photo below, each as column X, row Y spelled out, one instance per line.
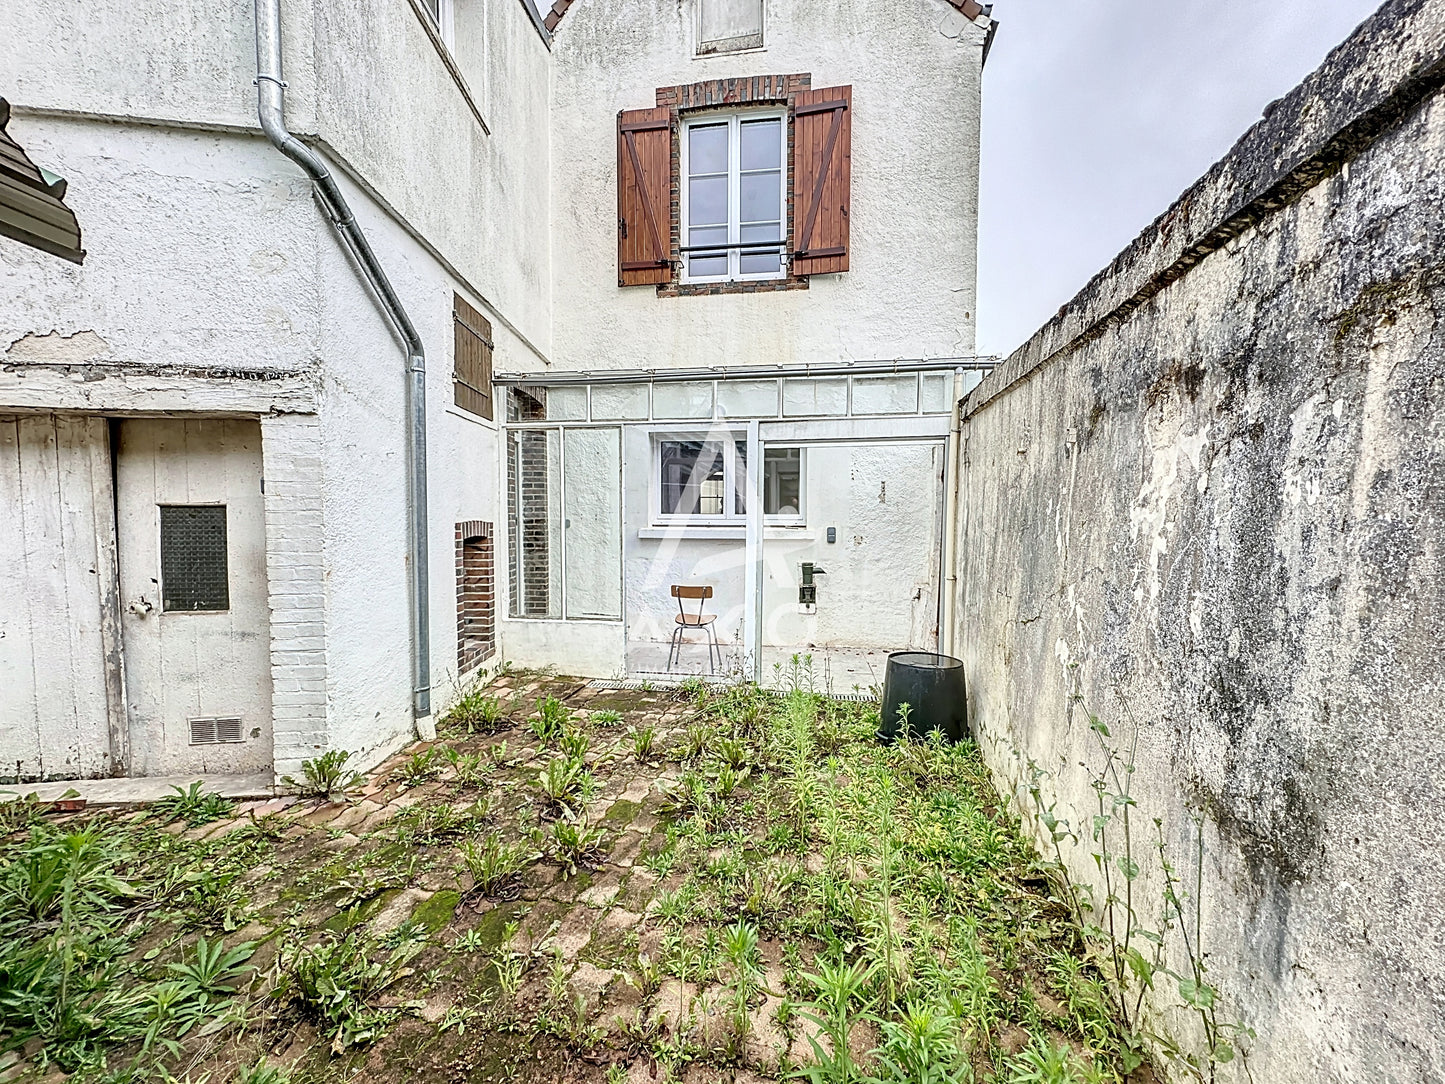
column 818, row 395
column 885, row 394
column 592, row 514
column 747, row 398
column 619, row 402
column 682, row 400
column 567, row 405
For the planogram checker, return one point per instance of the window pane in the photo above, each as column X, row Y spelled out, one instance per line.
column 740, row 477
column 707, row 235
column 771, row 232
column 691, row 477
column 782, row 481
column 885, row 394
column 769, row 264
column 723, row 19
column 567, row 405
column 707, row 149
column 592, row 470
column 707, row 201
column 824, row 395
column 747, row 398
column 619, row 402
column 762, row 144
column 699, row 267
column 761, row 196
column 936, row 389
column 193, row 558
column 683, row 399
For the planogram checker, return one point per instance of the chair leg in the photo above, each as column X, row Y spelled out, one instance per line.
column 674, row 648
column 713, row 648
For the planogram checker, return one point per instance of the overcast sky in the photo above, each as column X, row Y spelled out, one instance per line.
column 1099, row 113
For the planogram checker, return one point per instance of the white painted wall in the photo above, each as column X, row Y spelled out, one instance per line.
column 363, row 459
column 914, row 66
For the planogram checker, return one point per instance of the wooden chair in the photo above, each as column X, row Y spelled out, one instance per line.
column 698, row 620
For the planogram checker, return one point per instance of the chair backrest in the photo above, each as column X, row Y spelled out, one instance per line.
column 682, row 591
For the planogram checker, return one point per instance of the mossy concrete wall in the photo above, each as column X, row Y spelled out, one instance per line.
column 1208, row 498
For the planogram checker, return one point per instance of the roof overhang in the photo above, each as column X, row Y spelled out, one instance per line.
column 32, row 210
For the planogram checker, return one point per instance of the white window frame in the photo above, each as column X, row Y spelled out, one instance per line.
column 732, row 518
column 444, row 20
column 773, row 519
column 734, row 122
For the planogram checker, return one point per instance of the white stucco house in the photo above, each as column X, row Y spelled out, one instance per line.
column 415, row 336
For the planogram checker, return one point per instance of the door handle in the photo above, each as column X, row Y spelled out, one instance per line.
column 140, row 607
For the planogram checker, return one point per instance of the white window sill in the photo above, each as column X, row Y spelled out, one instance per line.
column 467, row 415
column 719, row 533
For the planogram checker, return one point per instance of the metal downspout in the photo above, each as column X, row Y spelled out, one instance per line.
column 950, row 519
column 270, row 90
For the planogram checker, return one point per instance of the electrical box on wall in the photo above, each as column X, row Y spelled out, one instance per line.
column 808, row 590
column 832, row 535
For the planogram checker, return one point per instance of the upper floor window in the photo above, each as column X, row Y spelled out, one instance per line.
column 734, row 203
column 703, row 200
column 728, row 26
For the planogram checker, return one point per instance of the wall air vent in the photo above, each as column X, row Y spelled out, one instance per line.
column 216, row 731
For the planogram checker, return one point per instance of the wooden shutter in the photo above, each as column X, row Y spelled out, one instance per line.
column 822, row 173
column 471, row 359
column 644, row 197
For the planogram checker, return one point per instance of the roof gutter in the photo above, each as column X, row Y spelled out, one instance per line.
column 898, row 366
column 270, row 89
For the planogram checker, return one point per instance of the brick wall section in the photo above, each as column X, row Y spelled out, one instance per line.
column 535, row 536
column 529, row 576
column 476, row 595
column 296, row 579
column 761, row 90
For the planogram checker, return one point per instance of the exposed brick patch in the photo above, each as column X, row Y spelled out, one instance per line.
column 689, row 98
column 476, row 594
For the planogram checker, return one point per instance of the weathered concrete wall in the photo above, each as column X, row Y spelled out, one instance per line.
column 1211, row 492
column 915, row 71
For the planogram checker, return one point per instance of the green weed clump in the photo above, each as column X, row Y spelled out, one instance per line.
column 326, row 776
column 75, row 903
column 194, row 805
column 336, row 981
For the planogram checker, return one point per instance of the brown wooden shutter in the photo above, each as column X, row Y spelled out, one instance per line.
column 471, row 359
column 644, row 197
column 822, row 174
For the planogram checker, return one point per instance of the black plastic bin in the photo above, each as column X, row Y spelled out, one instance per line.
column 932, row 686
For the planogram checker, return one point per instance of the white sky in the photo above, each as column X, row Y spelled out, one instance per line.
column 1099, row 113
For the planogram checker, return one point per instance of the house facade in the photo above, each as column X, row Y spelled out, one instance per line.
column 537, row 314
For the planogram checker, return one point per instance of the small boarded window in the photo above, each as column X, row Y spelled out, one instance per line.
column 193, row 558
column 727, row 26
column 472, row 363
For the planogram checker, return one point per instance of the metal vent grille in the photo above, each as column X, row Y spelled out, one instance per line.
column 216, row 731
column 193, row 557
